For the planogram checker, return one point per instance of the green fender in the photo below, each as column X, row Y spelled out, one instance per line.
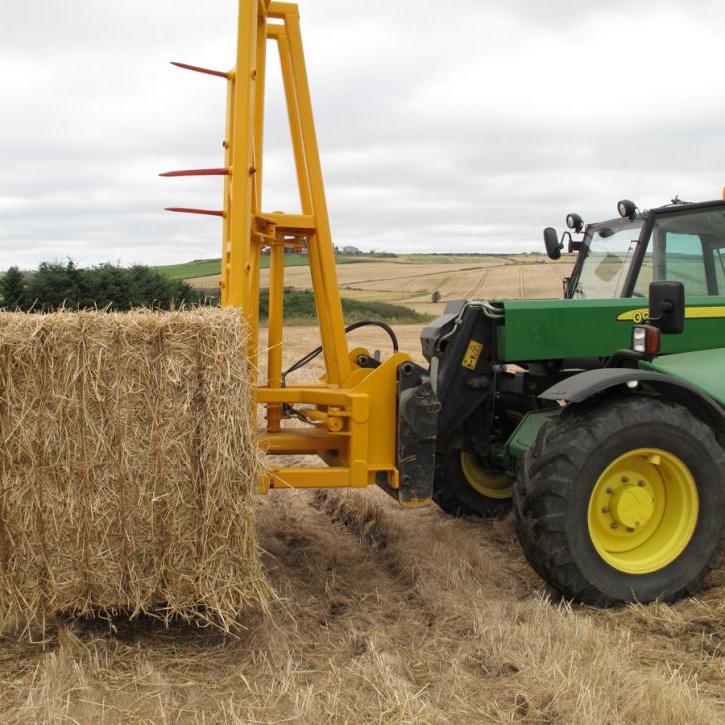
column 695, row 380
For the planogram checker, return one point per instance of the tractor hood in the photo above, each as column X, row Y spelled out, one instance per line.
column 559, row 329
column 703, row 368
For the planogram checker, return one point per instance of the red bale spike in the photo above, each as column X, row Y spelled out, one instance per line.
column 197, row 172
column 205, row 212
column 198, row 69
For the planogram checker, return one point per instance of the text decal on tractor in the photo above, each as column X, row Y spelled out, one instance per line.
column 601, row 421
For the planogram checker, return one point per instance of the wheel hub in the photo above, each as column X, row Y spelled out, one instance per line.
column 631, row 506
column 628, row 497
column 643, row 510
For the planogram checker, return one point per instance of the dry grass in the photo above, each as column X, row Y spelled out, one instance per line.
column 127, row 468
column 386, row 616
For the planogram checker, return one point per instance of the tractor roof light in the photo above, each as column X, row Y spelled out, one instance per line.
column 646, row 339
column 627, row 208
column 574, row 222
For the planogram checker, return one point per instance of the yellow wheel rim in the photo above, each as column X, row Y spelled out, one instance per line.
column 643, row 511
column 488, row 483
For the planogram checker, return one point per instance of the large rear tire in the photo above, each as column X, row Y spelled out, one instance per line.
column 623, row 501
column 465, row 486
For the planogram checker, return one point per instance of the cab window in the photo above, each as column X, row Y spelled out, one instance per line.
column 719, row 263
column 606, row 259
column 685, row 262
column 688, row 248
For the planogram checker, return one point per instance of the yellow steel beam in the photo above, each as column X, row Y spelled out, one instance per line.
column 258, row 75
column 281, row 10
column 289, row 222
column 300, row 440
column 293, row 116
column 320, row 247
column 330, row 477
column 317, row 396
column 242, row 164
column 226, row 264
column 274, row 338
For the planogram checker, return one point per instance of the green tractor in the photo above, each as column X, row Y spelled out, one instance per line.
column 599, row 418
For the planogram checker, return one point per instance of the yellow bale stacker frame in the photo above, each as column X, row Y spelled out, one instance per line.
column 350, row 416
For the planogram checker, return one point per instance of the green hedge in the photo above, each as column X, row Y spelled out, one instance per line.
column 300, row 305
column 56, row 285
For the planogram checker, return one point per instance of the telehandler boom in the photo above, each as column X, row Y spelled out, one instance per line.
column 599, row 419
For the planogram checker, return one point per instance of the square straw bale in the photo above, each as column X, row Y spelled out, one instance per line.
column 128, row 466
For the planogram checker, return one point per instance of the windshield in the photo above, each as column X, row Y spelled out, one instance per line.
column 607, row 254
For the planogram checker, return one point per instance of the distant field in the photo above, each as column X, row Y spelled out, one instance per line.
column 210, row 267
column 456, row 258
column 411, row 280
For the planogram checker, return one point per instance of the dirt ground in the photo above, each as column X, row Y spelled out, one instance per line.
column 385, row 616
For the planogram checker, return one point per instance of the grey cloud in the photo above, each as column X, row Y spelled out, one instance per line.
column 439, row 131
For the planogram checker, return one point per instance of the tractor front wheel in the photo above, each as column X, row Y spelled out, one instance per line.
column 623, row 501
column 465, row 486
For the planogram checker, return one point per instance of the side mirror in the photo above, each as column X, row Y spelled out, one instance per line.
column 667, row 306
column 553, row 246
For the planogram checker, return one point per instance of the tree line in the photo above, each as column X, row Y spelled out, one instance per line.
column 55, row 285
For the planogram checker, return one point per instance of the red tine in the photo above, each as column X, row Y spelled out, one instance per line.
column 198, row 69
column 197, row 172
column 205, row 212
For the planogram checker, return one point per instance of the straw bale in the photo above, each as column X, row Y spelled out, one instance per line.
column 127, row 468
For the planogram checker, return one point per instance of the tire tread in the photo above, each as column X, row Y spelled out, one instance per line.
column 550, row 468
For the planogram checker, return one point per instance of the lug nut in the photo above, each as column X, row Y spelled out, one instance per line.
column 613, row 525
column 605, row 510
column 625, row 479
column 610, row 490
column 640, row 483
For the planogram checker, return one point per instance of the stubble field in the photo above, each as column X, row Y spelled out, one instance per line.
column 385, row 615
column 411, row 280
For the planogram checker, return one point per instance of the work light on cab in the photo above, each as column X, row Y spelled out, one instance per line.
column 627, row 208
column 575, row 222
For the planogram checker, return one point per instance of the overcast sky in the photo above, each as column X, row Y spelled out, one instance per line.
column 463, row 126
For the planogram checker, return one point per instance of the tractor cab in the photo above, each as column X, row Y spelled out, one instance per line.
column 618, row 258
